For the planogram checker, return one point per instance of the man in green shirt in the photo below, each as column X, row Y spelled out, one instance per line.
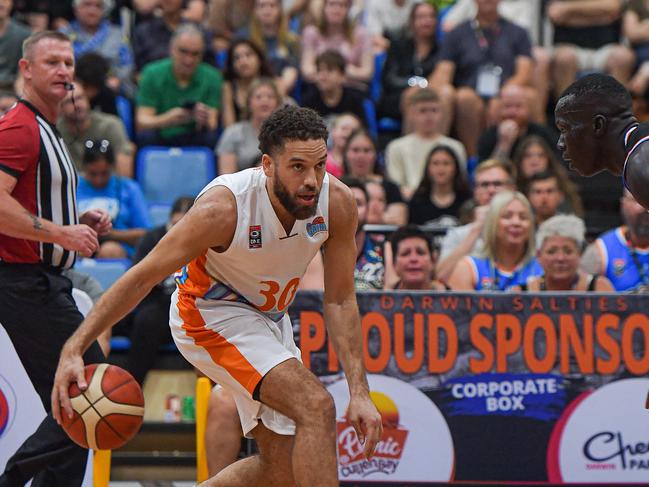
column 179, row 97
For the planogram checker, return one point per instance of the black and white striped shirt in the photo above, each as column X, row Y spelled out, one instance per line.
column 32, row 151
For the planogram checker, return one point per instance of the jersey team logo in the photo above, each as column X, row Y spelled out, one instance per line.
column 487, row 284
column 316, row 226
column 618, row 266
column 254, row 237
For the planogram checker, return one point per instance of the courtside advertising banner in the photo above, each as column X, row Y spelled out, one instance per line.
column 21, row 409
column 494, row 387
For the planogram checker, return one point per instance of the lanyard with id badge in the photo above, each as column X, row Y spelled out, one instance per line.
column 489, row 74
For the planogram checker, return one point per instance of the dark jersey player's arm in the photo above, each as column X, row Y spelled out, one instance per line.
column 637, row 174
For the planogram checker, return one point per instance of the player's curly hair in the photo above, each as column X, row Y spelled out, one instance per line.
column 290, row 123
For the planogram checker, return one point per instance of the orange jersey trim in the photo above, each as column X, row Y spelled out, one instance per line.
column 222, row 352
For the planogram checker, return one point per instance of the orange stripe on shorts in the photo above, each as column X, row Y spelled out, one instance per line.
column 222, row 352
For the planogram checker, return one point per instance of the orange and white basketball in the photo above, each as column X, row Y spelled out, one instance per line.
column 109, row 412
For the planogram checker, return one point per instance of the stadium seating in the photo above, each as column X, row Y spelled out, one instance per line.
column 376, row 83
column 165, row 173
column 158, row 213
column 125, row 112
column 370, row 117
column 383, row 124
column 106, row 271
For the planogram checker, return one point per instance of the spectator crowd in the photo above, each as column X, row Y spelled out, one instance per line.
column 440, row 116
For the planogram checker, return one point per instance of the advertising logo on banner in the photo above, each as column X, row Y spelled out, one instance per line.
column 7, row 405
column 603, row 436
column 537, row 396
column 413, row 427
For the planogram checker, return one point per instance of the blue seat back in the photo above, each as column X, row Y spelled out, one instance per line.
column 370, row 117
column 159, row 213
column 125, row 112
column 376, row 84
column 106, row 271
column 166, row 173
column 221, row 58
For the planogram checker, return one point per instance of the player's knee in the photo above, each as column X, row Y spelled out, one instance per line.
column 320, row 406
column 221, row 408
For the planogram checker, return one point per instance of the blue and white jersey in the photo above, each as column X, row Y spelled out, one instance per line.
column 625, row 266
column 488, row 277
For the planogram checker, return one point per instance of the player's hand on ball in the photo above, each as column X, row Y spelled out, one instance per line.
column 69, row 370
column 365, row 418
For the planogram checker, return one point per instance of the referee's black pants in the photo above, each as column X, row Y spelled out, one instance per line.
column 39, row 314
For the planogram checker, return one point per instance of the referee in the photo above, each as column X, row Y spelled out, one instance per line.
column 40, row 235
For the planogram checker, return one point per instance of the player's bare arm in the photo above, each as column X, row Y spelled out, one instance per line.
column 637, row 174
column 341, row 312
column 210, row 223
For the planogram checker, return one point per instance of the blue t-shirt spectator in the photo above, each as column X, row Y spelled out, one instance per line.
column 122, row 198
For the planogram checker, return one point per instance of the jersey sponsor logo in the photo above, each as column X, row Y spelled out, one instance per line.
column 618, row 266
column 181, row 276
column 254, row 237
column 316, row 226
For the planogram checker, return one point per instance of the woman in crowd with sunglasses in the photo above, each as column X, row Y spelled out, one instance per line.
column 121, row 197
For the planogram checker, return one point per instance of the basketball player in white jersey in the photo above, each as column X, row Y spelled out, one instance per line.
column 244, row 246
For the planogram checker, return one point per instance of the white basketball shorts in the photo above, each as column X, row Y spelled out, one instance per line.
column 235, row 346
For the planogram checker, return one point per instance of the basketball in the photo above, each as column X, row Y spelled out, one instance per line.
column 109, row 412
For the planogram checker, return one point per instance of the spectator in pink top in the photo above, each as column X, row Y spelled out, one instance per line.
column 342, row 128
column 337, row 31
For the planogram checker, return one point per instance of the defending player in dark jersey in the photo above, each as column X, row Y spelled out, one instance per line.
column 599, row 132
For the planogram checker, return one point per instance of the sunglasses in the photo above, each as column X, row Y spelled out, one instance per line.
column 100, row 146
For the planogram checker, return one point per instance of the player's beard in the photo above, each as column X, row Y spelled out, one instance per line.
column 288, row 201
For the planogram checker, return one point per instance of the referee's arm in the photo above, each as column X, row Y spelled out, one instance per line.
column 16, row 221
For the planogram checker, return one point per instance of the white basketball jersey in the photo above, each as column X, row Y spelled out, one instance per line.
column 263, row 265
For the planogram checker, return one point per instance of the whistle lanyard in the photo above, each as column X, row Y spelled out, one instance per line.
column 495, row 277
column 575, row 281
column 641, row 268
column 483, row 42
